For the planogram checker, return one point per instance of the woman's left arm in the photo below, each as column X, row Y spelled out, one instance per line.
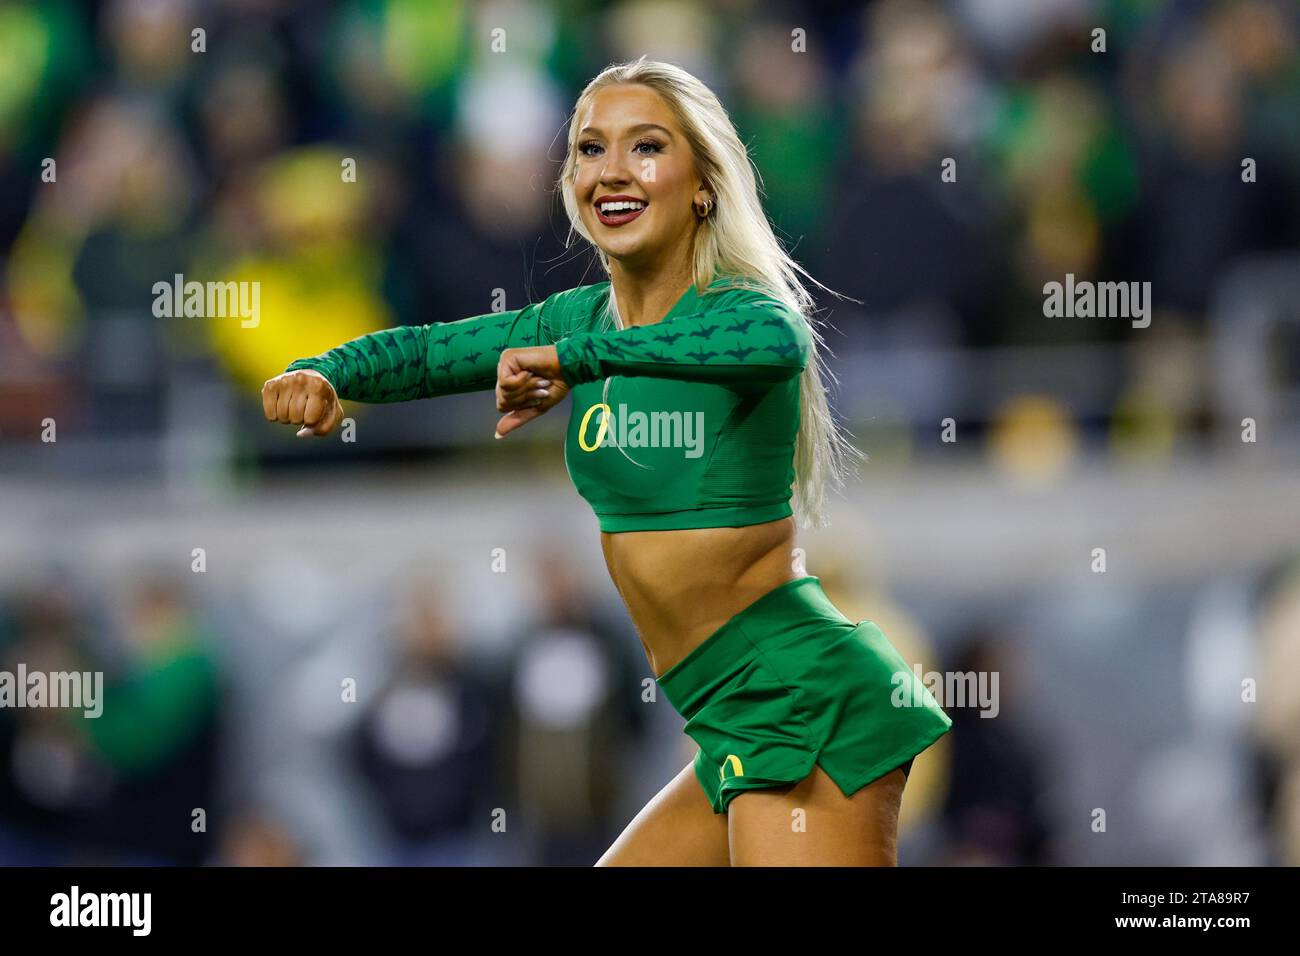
column 740, row 337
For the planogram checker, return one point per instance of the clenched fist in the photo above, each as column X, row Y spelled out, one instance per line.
column 303, row 398
column 528, row 385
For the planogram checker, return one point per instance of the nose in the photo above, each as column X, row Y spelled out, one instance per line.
column 616, row 171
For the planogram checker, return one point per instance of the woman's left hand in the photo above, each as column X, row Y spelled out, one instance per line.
column 529, row 384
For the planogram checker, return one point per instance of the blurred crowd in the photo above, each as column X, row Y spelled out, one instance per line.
column 1101, row 138
column 228, row 737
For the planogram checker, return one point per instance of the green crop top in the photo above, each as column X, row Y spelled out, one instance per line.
column 687, row 423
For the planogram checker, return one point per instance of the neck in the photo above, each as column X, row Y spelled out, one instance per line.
column 645, row 294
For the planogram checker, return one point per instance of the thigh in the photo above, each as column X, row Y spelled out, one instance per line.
column 676, row 828
column 812, row 823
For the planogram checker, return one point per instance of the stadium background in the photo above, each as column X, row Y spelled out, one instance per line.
column 522, row 691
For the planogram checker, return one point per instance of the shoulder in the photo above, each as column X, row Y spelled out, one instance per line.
column 730, row 292
column 743, row 297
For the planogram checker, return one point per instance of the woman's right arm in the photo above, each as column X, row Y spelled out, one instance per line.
column 425, row 361
column 401, row 364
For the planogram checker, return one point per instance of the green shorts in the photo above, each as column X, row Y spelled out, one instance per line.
column 790, row 682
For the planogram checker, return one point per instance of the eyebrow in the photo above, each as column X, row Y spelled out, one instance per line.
column 639, row 128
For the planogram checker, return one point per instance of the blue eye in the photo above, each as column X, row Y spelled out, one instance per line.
column 585, row 148
column 654, row 147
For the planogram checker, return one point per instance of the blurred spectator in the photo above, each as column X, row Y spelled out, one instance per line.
column 994, row 814
column 49, row 781
column 1195, row 214
column 158, row 735
column 910, row 245
column 122, row 786
column 426, row 743
column 576, row 713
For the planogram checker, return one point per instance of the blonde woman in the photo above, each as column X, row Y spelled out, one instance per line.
column 698, row 414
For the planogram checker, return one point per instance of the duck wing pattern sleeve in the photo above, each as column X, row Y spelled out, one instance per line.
column 735, row 337
column 425, row 361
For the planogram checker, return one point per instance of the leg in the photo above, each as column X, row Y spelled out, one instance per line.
column 676, row 828
column 812, row 823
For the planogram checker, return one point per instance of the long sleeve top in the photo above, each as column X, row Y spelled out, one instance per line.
column 689, row 422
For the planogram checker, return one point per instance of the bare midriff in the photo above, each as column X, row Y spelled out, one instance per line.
column 681, row 586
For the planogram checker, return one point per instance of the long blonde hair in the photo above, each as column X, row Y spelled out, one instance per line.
column 736, row 241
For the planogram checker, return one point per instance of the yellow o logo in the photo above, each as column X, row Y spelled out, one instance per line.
column 734, row 762
column 600, row 431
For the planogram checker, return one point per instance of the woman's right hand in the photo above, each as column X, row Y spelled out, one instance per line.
column 305, row 398
column 529, row 384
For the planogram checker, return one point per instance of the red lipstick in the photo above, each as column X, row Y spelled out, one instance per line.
column 625, row 209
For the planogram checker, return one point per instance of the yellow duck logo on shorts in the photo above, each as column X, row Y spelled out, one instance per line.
column 734, row 762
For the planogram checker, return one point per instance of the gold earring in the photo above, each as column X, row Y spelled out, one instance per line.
column 708, row 207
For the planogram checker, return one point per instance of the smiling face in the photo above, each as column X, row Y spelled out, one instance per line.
column 636, row 182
